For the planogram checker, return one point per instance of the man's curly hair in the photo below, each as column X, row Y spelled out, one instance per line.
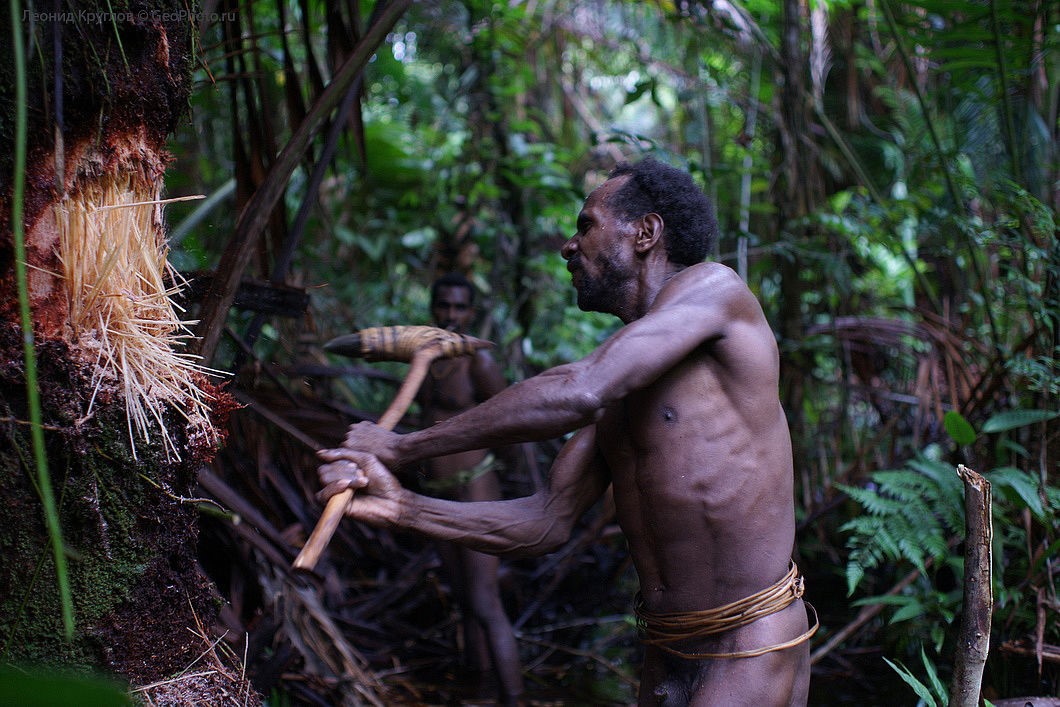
column 690, row 227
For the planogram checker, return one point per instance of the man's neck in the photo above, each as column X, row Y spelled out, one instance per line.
column 650, row 281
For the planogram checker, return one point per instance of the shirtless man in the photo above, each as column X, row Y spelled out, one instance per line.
column 452, row 386
column 679, row 412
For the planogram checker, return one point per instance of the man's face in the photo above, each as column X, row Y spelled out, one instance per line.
column 452, row 307
column 599, row 255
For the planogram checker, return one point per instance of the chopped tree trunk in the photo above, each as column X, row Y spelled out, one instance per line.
column 128, row 418
column 974, row 638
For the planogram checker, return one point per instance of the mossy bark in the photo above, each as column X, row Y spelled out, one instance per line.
column 130, row 535
column 129, row 539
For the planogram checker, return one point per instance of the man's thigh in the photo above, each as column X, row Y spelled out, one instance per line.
column 781, row 678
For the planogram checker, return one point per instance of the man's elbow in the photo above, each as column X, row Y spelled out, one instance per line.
column 576, row 391
column 587, row 404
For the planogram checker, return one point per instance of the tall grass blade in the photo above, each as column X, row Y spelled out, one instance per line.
column 51, row 512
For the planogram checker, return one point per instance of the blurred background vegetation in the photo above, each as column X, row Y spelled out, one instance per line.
column 885, row 175
column 886, row 180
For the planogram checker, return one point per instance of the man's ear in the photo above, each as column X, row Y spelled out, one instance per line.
column 649, row 232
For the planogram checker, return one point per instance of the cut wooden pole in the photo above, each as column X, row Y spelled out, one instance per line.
column 329, row 520
column 418, row 344
column 974, row 637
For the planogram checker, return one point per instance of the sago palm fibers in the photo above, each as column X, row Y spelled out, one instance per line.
column 121, row 313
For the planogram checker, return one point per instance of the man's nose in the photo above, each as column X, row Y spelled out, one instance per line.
column 568, row 248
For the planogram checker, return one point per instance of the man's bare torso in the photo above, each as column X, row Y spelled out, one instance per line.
column 451, row 387
column 702, row 477
column 701, row 464
column 448, row 389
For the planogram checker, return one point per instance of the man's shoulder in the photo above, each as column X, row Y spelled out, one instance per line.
column 708, row 282
column 709, row 270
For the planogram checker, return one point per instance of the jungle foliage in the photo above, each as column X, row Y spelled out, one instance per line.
column 885, row 175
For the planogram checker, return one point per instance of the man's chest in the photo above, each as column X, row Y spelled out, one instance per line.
column 448, row 386
column 657, row 418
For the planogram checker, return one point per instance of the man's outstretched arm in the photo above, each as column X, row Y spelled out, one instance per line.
column 531, row 525
column 542, row 407
column 699, row 305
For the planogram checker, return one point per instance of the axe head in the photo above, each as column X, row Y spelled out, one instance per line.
column 345, row 345
column 401, row 343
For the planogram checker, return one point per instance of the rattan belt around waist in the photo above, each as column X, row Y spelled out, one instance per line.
column 661, row 629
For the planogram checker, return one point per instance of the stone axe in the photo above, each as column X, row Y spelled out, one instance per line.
column 419, row 345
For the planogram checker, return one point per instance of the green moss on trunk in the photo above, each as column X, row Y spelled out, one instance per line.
column 130, row 541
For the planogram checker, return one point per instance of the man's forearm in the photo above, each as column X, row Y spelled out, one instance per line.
column 543, row 407
column 515, row 527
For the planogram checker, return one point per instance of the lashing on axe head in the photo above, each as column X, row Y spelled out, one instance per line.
column 400, row 343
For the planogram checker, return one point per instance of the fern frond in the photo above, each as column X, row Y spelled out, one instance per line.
column 855, row 573
column 909, row 514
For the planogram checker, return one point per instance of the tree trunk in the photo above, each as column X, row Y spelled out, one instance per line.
column 797, row 192
column 127, row 421
column 973, row 645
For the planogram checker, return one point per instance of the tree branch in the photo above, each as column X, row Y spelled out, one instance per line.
column 256, row 212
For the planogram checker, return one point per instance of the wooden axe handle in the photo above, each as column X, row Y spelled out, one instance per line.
column 329, row 520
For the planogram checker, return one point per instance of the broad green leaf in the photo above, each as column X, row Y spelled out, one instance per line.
column 855, row 573
column 886, row 600
column 933, row 677
column 418, row 237
column 1022, row 483
column 958, row 428
column 41, row 689
column 911, row 610
column 963, row 64
column 1012, row 419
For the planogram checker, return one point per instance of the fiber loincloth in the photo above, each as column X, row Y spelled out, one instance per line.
column 662, row 629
